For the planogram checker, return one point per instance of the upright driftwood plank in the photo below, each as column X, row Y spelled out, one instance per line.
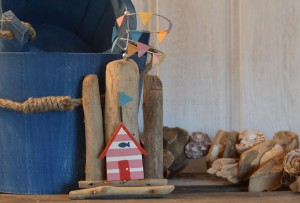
column 153, row 126
column 93, row 128
column 121, row 76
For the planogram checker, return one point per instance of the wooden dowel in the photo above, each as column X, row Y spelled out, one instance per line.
column 129, row 183
column 121, row 76
column 94, row 169
column 153, row 127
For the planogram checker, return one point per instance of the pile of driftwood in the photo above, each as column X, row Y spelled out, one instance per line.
column 267, row 164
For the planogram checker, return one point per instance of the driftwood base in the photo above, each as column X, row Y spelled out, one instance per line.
column 129, row 183
column 103, row 192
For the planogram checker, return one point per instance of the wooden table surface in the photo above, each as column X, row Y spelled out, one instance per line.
column 209, row 197
column 198, row 188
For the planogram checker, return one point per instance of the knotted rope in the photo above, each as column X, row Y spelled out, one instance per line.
column 8, row 35
column 5, row 34
column 43, row 104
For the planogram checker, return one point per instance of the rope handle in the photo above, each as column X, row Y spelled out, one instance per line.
column 42, row 104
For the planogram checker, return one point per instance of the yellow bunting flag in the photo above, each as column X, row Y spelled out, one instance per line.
column 120, row 20
column 131, row 49
column 162, row 58
column 145, row 17
column 161, row 35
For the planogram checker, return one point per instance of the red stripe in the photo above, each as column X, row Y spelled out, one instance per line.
column 123, row 152
column 122, row 137
column 132, row 164
column 137, row 175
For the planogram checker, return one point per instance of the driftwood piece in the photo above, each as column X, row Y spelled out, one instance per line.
column 94, row 169
column 153, row 127
column 285, row 142
column 230, row 151
column 168, row 159
column 250, row 159
column 295, row 186
column 268, row 176
column 129, row 183
column 175, row 140
column 287, row 139
column 225, row 168
column 111, row 191
column 217, row 147
column 121, row 76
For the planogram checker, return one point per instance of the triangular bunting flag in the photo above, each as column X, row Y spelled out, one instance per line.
column 120, row 20
column 135, row 35
column 124, row 99
column 161, row 35
column 142, row 49
column 155, row 59
column 145, row 17
column 162, row 58
column 114, row 34
column 131, row 49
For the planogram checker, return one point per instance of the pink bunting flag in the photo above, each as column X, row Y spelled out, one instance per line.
column 155, row 59
column 142, row 49
column 161, row 35
column 120, row 20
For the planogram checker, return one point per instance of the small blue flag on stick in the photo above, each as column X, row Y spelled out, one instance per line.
column 124, row 99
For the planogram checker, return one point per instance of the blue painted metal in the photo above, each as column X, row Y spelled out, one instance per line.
column 20, row 32
column 44, row 153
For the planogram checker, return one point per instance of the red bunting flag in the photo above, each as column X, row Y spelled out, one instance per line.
column 120, row 20
column 142, row 49
column 161, row 35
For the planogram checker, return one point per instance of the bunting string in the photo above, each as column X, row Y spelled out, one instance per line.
column 130, row 39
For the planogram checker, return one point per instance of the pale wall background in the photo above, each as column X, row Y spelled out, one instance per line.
column 231, row 64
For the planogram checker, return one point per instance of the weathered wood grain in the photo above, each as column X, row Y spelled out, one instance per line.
column 268, row 176
column 129, row 183
column 110, row 191
column 94, row 136
column 270, row 50
column 250, row 159
column 121, row 76
column 153, row 127
column 217, row 147
column 195, row 73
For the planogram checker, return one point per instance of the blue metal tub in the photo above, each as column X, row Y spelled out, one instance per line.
column 44, row 153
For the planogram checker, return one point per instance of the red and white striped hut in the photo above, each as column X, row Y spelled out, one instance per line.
column 124, row 159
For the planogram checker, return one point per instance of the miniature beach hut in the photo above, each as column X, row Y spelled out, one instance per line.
column 123, row 154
